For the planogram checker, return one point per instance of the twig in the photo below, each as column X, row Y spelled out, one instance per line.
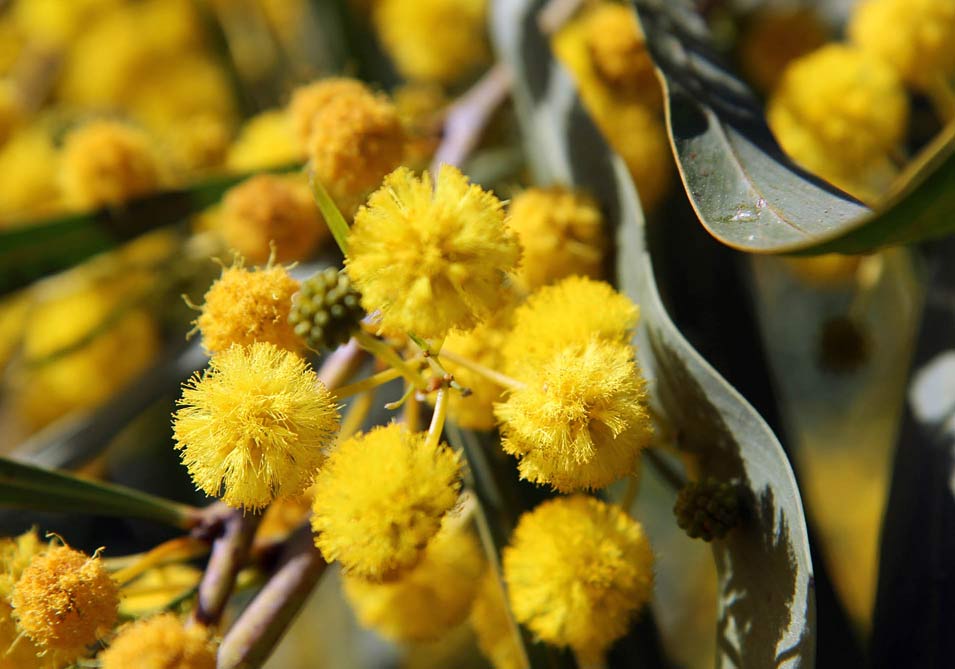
column 229, row 553
column 466, row 119
column 341, row 365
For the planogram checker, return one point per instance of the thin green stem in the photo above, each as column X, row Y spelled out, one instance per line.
column 330, row 212
column 388, row 355
column 437, row 418
column 357, row 413
column 488, row 373
column 366, row 384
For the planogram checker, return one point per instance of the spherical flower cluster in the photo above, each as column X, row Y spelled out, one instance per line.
column 308, row 101
column 570, row 311
column 581, row 419
column 618, row 50
column 577, row 571
column 265, row 140
column 31, row 164
column 269, row 211
column 160, row 642
column 380, row 499
column 107, row 163
column 428, row 601
column 561, row 232
column 439, row 41
column 64, row 601
column 253, row 426
column 773, row 37
column 839, row 111
column 245, row 306
column 431, row 256
column 355, row 141
column 915, row 37
column 497, row 636
column 18, row 650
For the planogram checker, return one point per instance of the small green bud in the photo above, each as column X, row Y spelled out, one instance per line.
column 707, row 509
column 327, row 309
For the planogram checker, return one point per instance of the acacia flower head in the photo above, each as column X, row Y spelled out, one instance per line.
column 265, row 140
column 431, row 256
column 380, row 499
column 309, row 100
column 64, row 601
column 252, row 427
column 561, row 232
column 618, row 49
column 581, row 420
column 159, row 642
column 249, row 305
column 571, row 311
column 428, row 601
column 577, row 571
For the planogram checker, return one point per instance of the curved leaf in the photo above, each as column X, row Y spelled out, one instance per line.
column 766, row 601
column 746, row 192
column 27, row 486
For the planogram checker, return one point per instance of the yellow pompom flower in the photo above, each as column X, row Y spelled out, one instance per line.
column 253, row 426
column 245, row 306
column 569, row 312
column 380, row 499
column 577, row 572
column 309, row 100
column 618, row 50
column 843, row 101
column 64, row 601
column 265, row 140
column 775, row 36
column 420, row 107
column 431, row 257
column 18, row 651
column 581, row 419
column 438, row 41
column 268, row 210
column 356, row 141
column 915, row 37
column 428, row 601
column 106, row 163
column 160, row 642
column 496, row 635
column 561, row 232
column 53, row 23
column 30, row 164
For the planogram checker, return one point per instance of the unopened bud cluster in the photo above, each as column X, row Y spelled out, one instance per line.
column 707, row 509
column 326, row 310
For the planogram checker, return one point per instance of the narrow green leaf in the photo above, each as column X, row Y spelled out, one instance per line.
column 746, row 192
column 29, row 487
column 33, row 250
column 766, row 600
column 330, row 212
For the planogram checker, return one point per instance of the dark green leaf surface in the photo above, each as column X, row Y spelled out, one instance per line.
column 766, row 603
column 30, row 487
column 745, row 191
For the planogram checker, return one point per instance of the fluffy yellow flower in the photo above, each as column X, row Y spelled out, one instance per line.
column 380, row 499
column 53, row 23
column 86, row 345
column 428, row 601
column 272, row 209
column 431, row 257
column 433, row 40
column 252, row 427
column 581, row 420
column 309, row 100
column 16, row 553
column 568, row 312
column 618, row 50
column 561, row 232
column 106, row 163
column 844, row 101
column 18, row 651
column 160, row 642
column 775, row 36
column 356, row 141
column 577, row 571
column 915, row 37
column 496, row 635
column 31, row 164
column 245, row 306
column 420, row 108
column 64, row 601
column 265, row 140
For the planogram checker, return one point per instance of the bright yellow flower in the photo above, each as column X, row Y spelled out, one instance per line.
column 54, row 23
column 272, row 210
column 561, row 232
column 496, row 635
column 581, row 420
column 18, row 651
column 428, row 601
column 309, row 100
column 839, row 106
column 915, row 37
column 31, row 164
column 577, row 571
column 265, row 140
column 160, row 642
column 356, row 141
column 107, row 163
column 420, row 107
column 380, row 499
column 245, row 306
column 439, row 41
column 64, row 601
column 253, row 426
column 618, row 51
column 568, row 312
column 773, row 37
column 431, row 257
